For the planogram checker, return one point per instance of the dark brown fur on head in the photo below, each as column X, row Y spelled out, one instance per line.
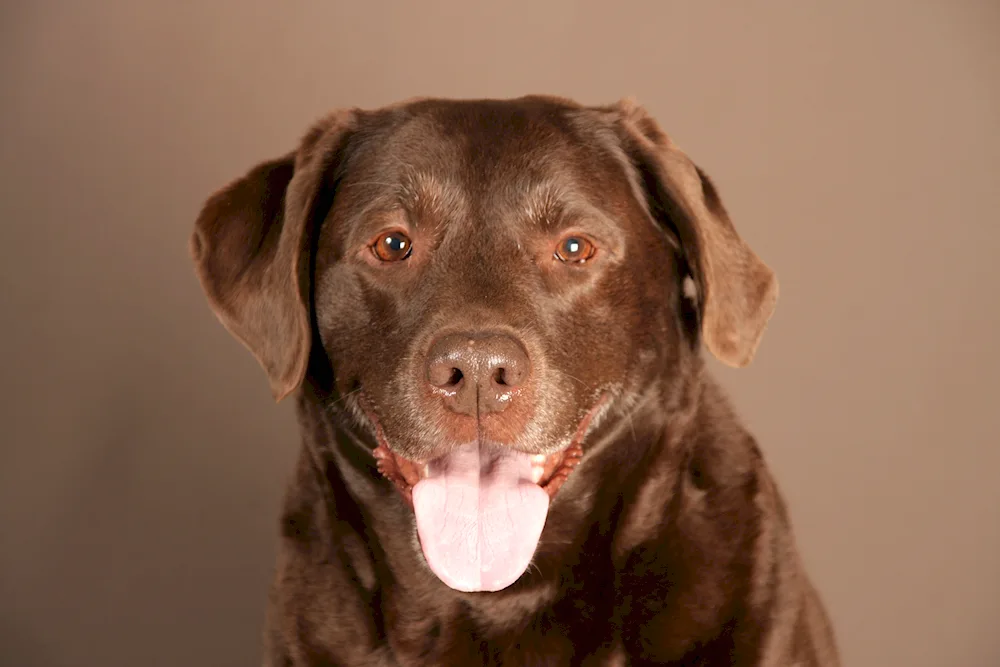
column 666, row 540
column 485, row 189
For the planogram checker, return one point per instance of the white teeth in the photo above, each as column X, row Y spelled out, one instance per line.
column 425, row 471
column 537, row 467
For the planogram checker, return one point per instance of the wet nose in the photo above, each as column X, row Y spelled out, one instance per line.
column 477, row 373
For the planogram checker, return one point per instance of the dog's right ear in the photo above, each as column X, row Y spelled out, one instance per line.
column 251, row 247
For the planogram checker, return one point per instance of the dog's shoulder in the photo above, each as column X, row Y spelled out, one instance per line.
column 708, row 468
column 708, row 554
column 323, row 588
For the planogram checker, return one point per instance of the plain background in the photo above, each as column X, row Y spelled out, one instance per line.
column 856, row 144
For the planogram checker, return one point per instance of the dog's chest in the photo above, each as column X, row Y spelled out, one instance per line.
column 465, row 634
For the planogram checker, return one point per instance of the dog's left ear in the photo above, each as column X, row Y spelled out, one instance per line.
column 737, row 290
column 251, row 248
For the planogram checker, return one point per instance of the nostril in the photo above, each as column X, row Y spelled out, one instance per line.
column 500, row 376
column 444, row 375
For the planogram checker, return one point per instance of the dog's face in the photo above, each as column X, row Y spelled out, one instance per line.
column 486, row 275
column 483, row 281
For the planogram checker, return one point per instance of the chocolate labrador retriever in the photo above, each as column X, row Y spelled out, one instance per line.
column 490, row 313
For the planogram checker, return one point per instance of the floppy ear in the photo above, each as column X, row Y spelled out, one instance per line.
column 737, row 290
column 251, row 246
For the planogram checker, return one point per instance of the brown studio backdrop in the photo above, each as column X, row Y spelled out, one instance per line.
column 142, row 462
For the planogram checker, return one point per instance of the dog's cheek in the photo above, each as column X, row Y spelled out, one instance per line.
column 345, row 317
column 636, row 321
column 594, row 337
column 668, row 326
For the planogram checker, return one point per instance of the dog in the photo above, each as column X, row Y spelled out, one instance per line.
column 491, row 315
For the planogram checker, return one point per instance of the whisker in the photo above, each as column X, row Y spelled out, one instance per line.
column 360, row 183
column 344, row 397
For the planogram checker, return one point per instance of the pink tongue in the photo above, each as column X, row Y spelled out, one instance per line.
column 479, row 517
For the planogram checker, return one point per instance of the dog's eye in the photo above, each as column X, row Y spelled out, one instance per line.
column 392, row 246
column 575, row 249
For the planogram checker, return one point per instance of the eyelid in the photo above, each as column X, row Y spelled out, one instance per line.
column 394, row 229
column 594, row 239
column 375, row 220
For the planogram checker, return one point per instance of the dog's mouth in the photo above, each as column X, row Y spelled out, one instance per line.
column 548, row 472
column 480, row 509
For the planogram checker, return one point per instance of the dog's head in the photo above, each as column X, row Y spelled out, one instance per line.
column 481, row 280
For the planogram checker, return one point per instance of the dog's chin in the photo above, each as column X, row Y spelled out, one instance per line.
column 480, row 508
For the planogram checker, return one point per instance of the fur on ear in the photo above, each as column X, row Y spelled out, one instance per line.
column 251, row 252
column 738, row 291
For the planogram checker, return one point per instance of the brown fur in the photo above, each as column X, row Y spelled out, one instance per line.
column 669, row 543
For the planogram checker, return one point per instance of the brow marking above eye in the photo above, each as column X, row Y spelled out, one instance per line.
column 422, row 191
column 544, row 202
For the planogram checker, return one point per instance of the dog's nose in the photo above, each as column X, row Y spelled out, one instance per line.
column 479, row 373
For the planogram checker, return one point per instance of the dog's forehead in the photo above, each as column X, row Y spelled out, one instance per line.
column 469, row 133
column 493, row 154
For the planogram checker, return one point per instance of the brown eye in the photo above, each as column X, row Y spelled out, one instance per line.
column 575, row 249
column 392, row 246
